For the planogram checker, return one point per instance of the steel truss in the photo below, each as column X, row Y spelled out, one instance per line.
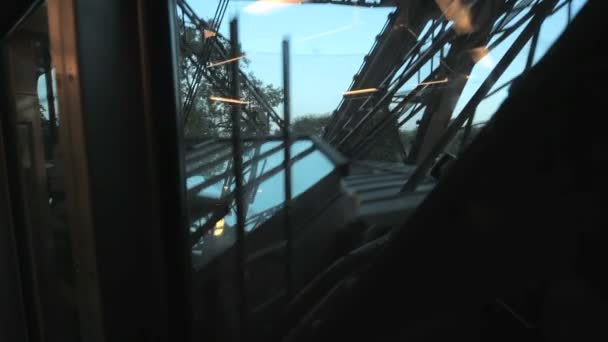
column 258, row 113
column 414, row 38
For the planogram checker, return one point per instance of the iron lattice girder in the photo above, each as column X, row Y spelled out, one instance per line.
column 389, row 87
column 388, row 53
column 385, row 57
column 442, row 102
column 219, row 47
column 541, row 12
column 399, row 37
column 484, row 14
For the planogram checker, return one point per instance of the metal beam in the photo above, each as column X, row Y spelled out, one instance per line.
column 541, row 11
column 442, row 103
column 286, row 165
column 239, row 192
column 400, row 81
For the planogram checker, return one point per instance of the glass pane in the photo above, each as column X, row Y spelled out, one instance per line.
column 374, row 85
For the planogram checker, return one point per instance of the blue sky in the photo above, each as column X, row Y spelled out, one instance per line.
column 322, row 65
column 328, row 43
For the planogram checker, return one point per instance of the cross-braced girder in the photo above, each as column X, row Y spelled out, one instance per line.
column 424, row 48
column 209, row 61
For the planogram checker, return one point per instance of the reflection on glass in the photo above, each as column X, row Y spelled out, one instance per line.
column 334, row 44
column 380, row 85
column 38, row 121
column 437, row 73
column 264, row 188
column 550, row 31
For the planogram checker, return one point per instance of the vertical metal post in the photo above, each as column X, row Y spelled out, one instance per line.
column 569, row 11
column 287, row 167
column 235, row 114
column 432, row 39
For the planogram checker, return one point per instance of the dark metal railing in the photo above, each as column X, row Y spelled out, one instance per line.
column 398, row 83
column 335, row 119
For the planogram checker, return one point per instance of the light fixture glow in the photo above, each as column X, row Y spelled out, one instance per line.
column 211, row 65
column 219, row 227
column 445, row 80
column 208, row 34
column 227, row 100
column 360, row 91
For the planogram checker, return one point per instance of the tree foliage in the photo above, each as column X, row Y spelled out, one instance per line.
column 310, row 124
column 207, row 118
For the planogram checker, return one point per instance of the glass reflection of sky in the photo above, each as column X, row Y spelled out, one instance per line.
column 270, row 193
